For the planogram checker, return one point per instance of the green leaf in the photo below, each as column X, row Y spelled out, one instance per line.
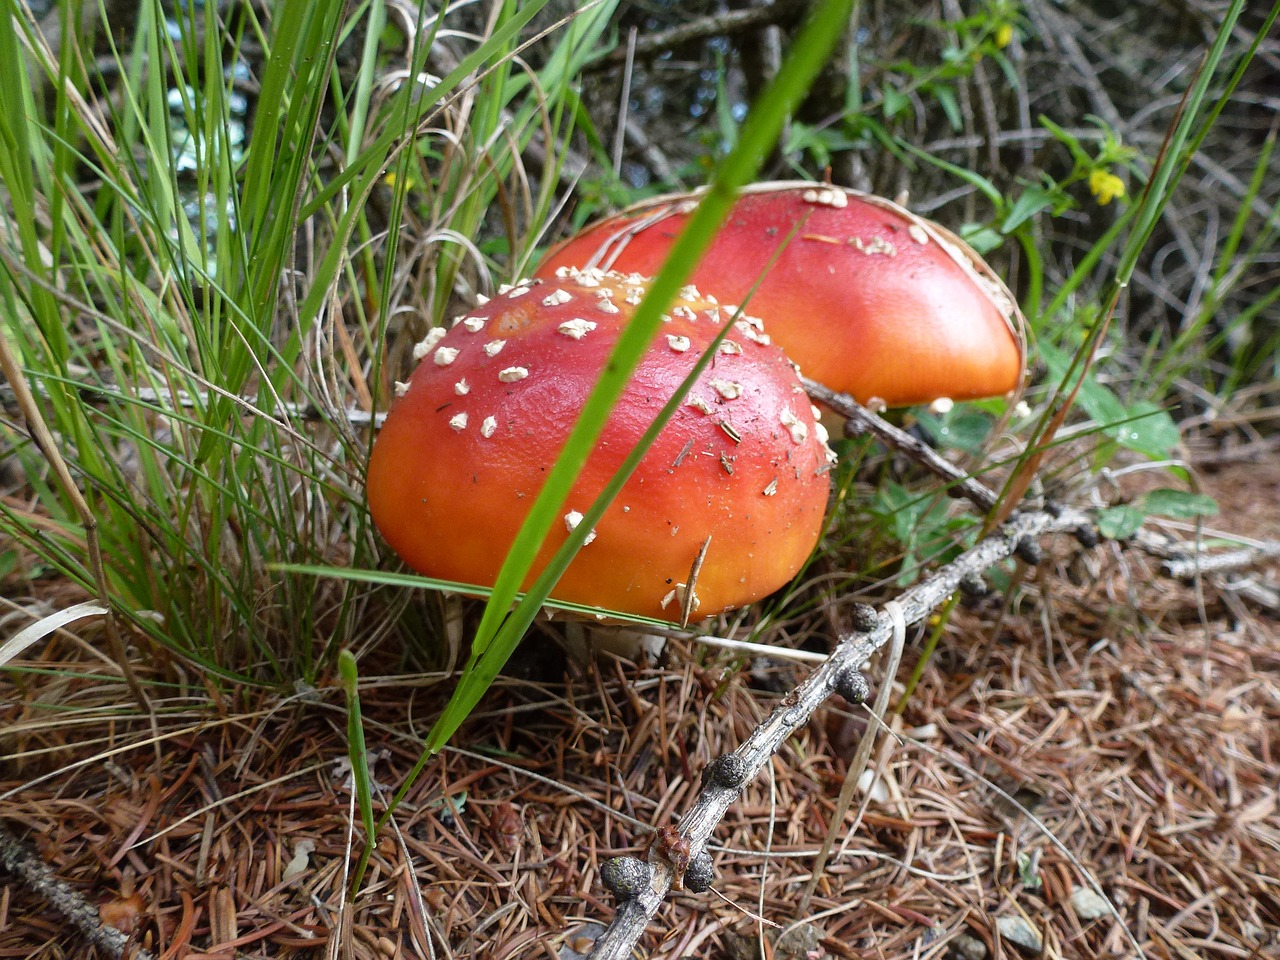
column 964, row 428
column 1067, row 139
column 987, row 188
column 1147, row 428
column 1103, row 407
column 895, row 102
column 1029, row 871
column 1120, row 523
column 1143, row 426
column 1178, row 504
column 982, row 238
column 1033, row 199
column 950, row 105
column 919, row 522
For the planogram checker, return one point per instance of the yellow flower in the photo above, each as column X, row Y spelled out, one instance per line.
column 1004, row 35
column 1106, row 186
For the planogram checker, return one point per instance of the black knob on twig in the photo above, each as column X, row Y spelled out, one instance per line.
column 864, row 618
column 700, row 873
column 852, row 684
column 1027, row 549
column 1086, row 536
column 854, row 428
column 625, row 877
column 729, row 771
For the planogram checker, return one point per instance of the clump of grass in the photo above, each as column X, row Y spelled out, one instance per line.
column 196, row 310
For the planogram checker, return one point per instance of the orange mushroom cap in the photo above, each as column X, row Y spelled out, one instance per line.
column 866, row 297
column 465, row 450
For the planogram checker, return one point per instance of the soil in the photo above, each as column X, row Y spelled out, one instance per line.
column 1093, row 765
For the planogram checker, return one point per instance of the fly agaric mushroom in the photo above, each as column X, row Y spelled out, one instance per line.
column 737, row 476
column 868, row 298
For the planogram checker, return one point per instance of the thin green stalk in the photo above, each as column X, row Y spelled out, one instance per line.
column 358, row 755
column 501, row 627
column 926, row 653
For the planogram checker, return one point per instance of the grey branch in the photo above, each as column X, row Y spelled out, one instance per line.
column 863, row 420
column 852, row 652
column 34, row 874
column 1182, row 566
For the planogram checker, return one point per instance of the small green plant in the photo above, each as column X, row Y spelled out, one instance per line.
column 357, row 753
column 1123, row 521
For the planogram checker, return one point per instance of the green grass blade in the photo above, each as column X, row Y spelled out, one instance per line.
column 358, row 756
column 760, row 131
column 367, row 167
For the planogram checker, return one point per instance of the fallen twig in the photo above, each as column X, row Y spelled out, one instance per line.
column 1187, row 563
column 644, row 884
column 863, row 421
column 34, row 874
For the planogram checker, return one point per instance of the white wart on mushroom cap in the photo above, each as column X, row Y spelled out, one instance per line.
column 465, row 450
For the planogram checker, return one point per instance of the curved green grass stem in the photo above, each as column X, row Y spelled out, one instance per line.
column 940, row 621
column 502, row 625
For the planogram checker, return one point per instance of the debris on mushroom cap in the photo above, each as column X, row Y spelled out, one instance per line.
column 571, row 521
column 678, row 344
column 677, row 594
column 577, row 328
column 869, row 298
column 731, row 391
column 798, row 428
column 428, row 343
column 465, row 451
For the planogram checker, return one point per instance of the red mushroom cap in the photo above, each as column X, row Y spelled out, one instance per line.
column 867, row 298
column 465, row 450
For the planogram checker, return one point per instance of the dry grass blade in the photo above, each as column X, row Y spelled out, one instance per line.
column 12, row 370
column 37, row 631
